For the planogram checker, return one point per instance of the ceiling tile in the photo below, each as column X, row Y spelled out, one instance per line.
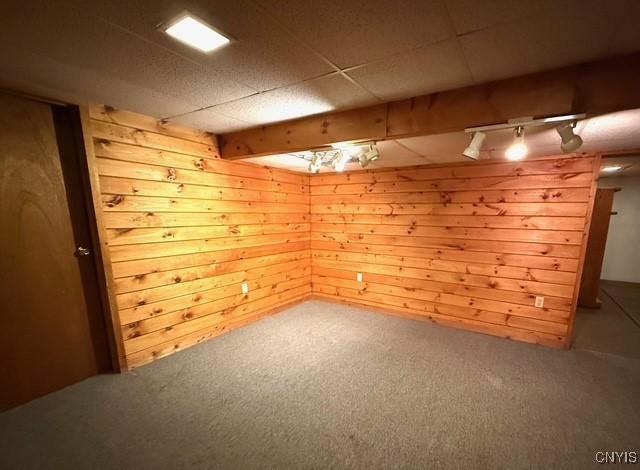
column 574, row 33
column 207, row 120
column 262, row 54
column 304, row 99
column 435, row 147
column 111, row 51
column 472, row 15
column 42, row 76
column 394, row 154
column 353, row 32
column 431, row 68
column 286, row 161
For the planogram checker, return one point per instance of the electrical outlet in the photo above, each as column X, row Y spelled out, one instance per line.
column 539, row 301
column 359, row 277
column 245, row 288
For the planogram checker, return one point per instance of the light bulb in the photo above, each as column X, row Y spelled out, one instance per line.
column 518, row 149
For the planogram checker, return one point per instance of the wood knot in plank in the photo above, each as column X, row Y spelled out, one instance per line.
column 199, row 164
column 115, row 200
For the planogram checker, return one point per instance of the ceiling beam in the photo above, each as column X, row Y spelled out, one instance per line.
column 592, row 88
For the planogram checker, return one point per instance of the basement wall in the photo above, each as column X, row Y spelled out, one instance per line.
column 621, row 255
column 464, row 245
column 184, row 229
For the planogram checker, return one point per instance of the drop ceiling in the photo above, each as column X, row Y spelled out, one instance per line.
column 292, row 58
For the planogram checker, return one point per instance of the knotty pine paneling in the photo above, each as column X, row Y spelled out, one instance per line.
column 464, row 245
column 184, row 229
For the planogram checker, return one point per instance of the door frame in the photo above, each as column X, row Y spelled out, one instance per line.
column 87, row 168
column 100, row 251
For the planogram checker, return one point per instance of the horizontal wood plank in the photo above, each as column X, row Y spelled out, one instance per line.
column 116, row 133
column 561, row 209
column 121, row 117
column 138, row 171
column 486, row 221
column 469, row 245
column 184, row 230
column 452, row 254
column 449, row 197
column 132, row 236
column 168, row 263
column 144, row 155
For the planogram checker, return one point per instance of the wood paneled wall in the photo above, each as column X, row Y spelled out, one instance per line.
column 464, row 245
column 468, row 245
column 184, row 229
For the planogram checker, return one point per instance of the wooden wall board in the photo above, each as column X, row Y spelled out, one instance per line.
column 468, row 245
column 464, row 245
column 183, row 229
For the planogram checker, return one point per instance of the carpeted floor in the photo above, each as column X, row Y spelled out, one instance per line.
column 322, row 386
column 625, row 294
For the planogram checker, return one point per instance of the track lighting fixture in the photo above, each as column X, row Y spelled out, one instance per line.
column 341, row 154
column 371, row 155
column 518, row 149
column 348, row 148
column 316, row 163
column 340, row 161
column 570, row 140
column 473, row 150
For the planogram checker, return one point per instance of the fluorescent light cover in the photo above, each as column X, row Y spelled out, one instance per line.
column 196, row 34
column 611, row 169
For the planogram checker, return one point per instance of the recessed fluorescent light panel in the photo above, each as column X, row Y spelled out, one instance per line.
column 196, row 34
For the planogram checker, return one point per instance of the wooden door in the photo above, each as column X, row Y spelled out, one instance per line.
column 52, row 330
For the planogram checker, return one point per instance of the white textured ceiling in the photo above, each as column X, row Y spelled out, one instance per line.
column 605, row 133
column 291, row 58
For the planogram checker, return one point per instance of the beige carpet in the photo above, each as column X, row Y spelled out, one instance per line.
column 321, row 386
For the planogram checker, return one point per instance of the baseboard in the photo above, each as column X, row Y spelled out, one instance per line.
column 513, row 333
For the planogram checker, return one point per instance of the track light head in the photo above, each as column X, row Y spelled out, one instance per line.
column 371, row 155
column 518, row 149
column 316, row 163
column 340, row 161
column 570, row 140
column 473, row 150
